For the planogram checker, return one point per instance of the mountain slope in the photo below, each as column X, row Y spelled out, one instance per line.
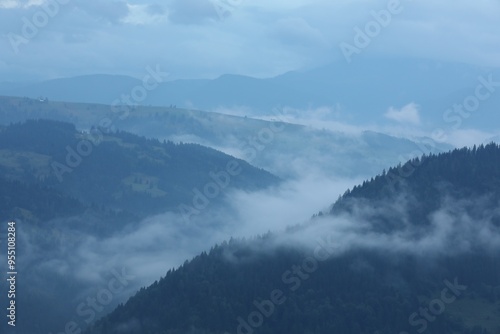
column 435, row 86
column 430, row 182
column 344, row 273
column 288, row 150
column 118, row 170
column 68, row 189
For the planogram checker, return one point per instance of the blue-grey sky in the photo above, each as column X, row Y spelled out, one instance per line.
column 207, row 38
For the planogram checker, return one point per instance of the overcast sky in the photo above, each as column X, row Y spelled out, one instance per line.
column 261, row 38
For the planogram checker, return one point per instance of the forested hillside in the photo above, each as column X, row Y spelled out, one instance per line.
column 67, row 188
column 113, row 170
column 279, row 142
column 415, row 253
column 463, row 176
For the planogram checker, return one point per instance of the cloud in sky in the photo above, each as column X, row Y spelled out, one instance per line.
column 9, row 4
column 20, row 4
column 408, row 114
column 258, row 38
column 144, row 14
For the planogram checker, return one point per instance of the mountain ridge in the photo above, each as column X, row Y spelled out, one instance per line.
column 265, row 144
column 121, row 171
column 343, row 282
column 332, row 85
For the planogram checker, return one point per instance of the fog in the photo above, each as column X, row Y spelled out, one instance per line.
column 146, row 250
column 344, row 116
column 404, row 122
column 152, row 246
column 70, row 265
column 450, row 231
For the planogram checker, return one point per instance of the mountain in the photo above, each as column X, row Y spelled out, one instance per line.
column 414, row 249
column 431, row 180
column 118, row 170
column 284, row 148
column 383, row 83
column 67, row 189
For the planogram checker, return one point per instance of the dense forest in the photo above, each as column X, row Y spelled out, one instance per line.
column 265, row 285
column 110, row 170
column 424, row 184
column 67, row 187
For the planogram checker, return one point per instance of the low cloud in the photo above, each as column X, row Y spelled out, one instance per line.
column 407, row 114
column 451, row 230
column 467, row 137
column 10, row 4
column 145, row 14
column 149, row 248
column 322, row 118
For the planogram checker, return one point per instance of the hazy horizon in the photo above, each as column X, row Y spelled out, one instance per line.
column 135, row 135
column 46, row 39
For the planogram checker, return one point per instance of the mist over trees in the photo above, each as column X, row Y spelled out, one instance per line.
column 279, row 282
